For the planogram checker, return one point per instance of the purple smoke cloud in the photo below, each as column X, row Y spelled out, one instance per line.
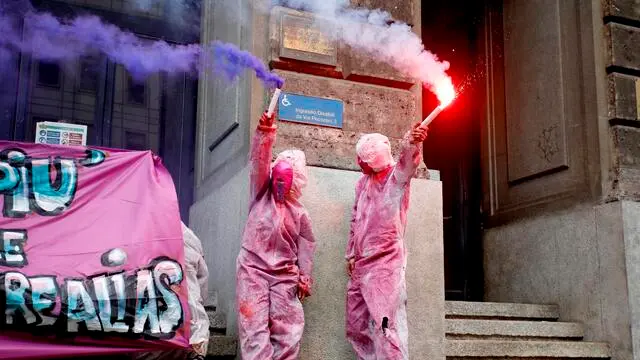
column 47, row 38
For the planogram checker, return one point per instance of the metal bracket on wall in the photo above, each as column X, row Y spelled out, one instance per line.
column 223, row 136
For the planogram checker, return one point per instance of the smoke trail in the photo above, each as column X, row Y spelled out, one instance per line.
column 47, row 38
column 231, row 61
column 377, row 34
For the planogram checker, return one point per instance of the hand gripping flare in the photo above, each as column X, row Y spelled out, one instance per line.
column 274, row 102
column 446, row 94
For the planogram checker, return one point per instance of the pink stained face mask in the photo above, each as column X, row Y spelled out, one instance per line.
column 281, row 180
column 366, row 169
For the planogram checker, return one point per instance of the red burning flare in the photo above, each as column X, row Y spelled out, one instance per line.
column 445, row 92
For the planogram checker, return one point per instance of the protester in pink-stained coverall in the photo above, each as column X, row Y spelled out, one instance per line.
column 376, row 255
column 276, row 259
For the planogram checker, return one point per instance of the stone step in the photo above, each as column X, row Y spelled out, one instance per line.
column 221, row 346
column 217, row 322
column 509, row 329
column 522, row 349
column 500, row 311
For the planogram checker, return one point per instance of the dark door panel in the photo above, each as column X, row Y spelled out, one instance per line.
column 450, row 30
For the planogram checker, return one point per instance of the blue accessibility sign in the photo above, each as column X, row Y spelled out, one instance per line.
column 310, row 110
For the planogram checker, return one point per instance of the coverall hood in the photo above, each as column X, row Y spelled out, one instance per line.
column 374, row 150
column 298, row 162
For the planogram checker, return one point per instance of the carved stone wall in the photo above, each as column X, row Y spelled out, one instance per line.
column 622, row 35
column 376, row 97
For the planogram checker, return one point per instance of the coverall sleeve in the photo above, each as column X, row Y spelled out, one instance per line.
column 260, row 159
column 350, row 244
column 409, row 160
column 203, row 280
column 306, row 250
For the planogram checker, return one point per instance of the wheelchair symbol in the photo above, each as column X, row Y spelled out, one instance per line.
column 285, row 102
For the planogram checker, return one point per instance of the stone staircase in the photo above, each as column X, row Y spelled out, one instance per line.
column 491, row 331
column 221, row 346
column 478, row 331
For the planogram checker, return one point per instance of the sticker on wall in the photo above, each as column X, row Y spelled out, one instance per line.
column 310, row 110
column 54, row 133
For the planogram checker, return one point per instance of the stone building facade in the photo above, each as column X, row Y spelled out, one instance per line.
column 538, row 158
column 554, row 106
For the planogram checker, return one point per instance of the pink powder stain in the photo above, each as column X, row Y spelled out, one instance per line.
column 245, row 309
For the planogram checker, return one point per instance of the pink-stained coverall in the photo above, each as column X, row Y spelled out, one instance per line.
column 275, row 261
column 376, row 293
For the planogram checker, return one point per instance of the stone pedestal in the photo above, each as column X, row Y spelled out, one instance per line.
column 329, row 198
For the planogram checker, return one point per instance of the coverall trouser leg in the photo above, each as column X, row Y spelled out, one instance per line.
column 376, row 319
column 252, row 300
column 286, row 320
column 358, row 323
column 270, row 315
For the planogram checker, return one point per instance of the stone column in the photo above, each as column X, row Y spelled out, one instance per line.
column 222, row 143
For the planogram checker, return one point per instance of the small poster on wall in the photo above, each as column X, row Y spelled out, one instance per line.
column 54, row 133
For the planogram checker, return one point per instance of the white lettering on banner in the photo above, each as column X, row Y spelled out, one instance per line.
column 143, row 301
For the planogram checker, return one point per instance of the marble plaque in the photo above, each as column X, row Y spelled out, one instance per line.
column 301, row 39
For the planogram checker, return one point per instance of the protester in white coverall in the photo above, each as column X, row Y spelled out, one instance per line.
column 376, row 255
column 197, row 276
column 197, row 283
column 276, row 259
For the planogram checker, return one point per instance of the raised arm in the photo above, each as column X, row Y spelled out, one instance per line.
column 410, row 154
column 261, row 155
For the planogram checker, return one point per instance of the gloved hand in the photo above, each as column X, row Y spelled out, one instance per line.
column 418, row 134
column 350, row 265
column 199, row 349
column 266, row 121
column 304, row 287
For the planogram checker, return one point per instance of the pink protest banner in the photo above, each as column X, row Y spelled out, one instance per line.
column 90, row 253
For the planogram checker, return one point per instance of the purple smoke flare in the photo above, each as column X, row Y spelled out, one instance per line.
column 232, row 61
column 46, row 38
